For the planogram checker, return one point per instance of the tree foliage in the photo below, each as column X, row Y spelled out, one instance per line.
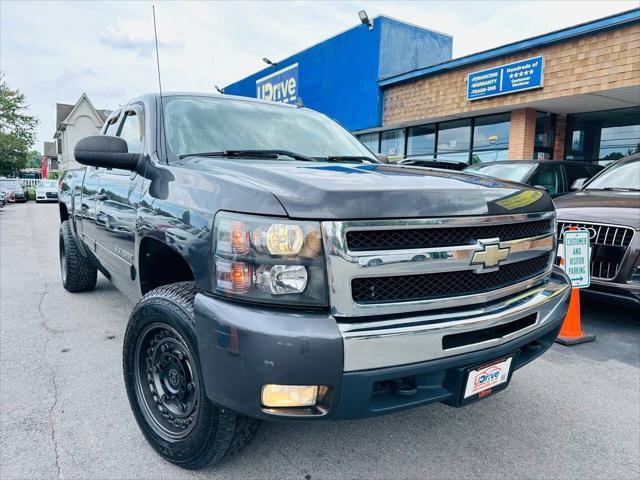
column 17, row 129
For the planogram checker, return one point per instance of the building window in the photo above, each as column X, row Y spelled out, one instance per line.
column 545, row 134
column 392, row 144
column 454, row 141
column 603, row 136
column 491, row 138
column 421, row 141
column 371, row 141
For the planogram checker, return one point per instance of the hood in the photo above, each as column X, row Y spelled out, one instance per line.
column 598, row 206
column 366, row 191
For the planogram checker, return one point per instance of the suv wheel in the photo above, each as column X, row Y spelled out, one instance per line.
column 164, row 383
column 79, row 274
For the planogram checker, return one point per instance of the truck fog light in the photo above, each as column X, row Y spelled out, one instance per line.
column 289, row 395
column 281, row 279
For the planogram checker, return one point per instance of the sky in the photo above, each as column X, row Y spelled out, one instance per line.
column 55, row 51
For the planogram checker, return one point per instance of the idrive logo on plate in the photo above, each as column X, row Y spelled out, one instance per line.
column 488, row 376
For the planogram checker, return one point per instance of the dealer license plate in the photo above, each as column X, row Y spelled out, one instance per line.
column 483, row 380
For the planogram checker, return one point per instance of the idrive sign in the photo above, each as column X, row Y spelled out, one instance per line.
column 280, row 86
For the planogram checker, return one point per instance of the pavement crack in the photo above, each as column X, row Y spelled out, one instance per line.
column 50, row 332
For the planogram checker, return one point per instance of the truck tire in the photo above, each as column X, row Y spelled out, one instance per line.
column 79, row 273
column 163, row 379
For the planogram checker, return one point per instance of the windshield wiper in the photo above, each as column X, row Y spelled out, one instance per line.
column 251, row 153
column 345, row 158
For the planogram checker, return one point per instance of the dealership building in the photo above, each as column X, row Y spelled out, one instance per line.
column 568, row 94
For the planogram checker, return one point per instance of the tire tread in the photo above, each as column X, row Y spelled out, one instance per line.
column 82, row 273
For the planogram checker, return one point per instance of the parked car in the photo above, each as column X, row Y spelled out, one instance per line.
column 13, row 189
column 281, row 272
column 47, row 191
column 608, row 207
column 555, row 176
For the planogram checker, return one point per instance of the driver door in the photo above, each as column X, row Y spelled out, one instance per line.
column 119, row 193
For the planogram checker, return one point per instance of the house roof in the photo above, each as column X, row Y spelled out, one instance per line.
column 63, row 111
column 601, row 24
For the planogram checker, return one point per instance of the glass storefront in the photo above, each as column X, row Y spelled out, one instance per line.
column 491, row 138
column 544, row 136
column 603, row 136
column 392, row 144
column 471, row 140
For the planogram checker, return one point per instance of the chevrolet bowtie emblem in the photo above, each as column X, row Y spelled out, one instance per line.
column 490, row 256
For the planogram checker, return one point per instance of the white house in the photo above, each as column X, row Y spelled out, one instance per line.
column 74, row 122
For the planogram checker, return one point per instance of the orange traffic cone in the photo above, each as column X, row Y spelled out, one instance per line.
column 571, row 332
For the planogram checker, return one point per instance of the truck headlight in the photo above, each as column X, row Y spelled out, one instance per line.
column 272, row 260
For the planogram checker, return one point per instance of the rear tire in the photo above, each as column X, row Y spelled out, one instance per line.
column 164, row 383
column 79, row 273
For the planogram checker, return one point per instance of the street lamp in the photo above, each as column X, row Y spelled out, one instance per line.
column 219, row 90
column 364, row 18
column 269, row 62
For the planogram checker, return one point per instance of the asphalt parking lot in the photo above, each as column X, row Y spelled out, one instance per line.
column 574, row 413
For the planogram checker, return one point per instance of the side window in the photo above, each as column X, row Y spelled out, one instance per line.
column 131, row 131
column 576, row 171
column 111, row 127
column 548, row 176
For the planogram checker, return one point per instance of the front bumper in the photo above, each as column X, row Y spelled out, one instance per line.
column 242, row 348
column 623, row 293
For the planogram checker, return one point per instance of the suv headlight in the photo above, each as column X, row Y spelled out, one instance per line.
column 271, row 260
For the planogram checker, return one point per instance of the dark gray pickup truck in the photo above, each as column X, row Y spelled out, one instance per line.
column 281, row 272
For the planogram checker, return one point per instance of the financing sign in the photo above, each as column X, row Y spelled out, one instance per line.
column 510, row 78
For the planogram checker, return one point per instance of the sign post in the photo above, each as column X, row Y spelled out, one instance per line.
column 575, row 259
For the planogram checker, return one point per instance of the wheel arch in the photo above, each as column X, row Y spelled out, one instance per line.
column 159, row 264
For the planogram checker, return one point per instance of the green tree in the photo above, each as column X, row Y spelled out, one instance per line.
column 34, row 159
column 17, row 129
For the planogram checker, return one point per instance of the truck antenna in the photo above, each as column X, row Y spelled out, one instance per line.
column 155, row 34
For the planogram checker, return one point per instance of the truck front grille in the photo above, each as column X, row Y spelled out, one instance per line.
column 387, row 267
column 609, row 244
column 406, row 288
column 401, row 239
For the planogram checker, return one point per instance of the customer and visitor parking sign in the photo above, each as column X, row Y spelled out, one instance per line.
column 510, row 78
column 576, row 245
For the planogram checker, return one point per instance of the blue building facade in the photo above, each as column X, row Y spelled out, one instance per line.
column 340, row 76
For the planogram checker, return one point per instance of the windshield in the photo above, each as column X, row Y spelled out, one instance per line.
column 622, row 175
column 47, row 183
column 507, row 171
column 10, row 184
column 202, row 124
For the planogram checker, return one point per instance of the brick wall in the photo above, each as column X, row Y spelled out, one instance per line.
column 522, row 134
column 558, row 141
column 588, row 64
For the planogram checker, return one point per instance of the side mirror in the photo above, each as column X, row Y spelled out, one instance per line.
column 382, row 158
column 578, row 183
column 106, row 151
column 541, row 187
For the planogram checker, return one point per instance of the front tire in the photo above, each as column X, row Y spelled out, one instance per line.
column 164, row 383
column 79, row 274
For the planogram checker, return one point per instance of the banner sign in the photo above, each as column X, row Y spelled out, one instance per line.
column 280, row 86
column 510, row 78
